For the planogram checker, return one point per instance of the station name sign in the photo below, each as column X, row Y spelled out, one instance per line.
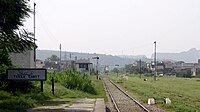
column 32, row 74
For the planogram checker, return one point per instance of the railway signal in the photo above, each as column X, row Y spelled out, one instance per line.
column 117, row 69
column 97, row 58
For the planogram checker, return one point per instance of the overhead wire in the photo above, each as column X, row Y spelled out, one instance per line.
column 45, row 27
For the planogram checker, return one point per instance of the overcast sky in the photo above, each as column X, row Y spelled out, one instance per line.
column 118, row 27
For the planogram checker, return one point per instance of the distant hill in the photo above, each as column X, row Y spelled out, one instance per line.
column 133, row 57
column 190, row 56
column 104, row 59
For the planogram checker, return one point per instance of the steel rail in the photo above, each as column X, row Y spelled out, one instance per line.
column 112, row 99
column 143, row 107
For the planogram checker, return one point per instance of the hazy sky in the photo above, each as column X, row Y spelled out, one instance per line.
column 117, row 26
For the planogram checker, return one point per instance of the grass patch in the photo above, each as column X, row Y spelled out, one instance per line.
column 18, row 101
column 74, row 85
column 98, row 85
column 74, row 80
column 62, row 92
column 183, row 92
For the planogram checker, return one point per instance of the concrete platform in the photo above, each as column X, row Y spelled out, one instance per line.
column 100, row 106
column 82, row 105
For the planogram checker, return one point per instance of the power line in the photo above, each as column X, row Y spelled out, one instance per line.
column 45, row 27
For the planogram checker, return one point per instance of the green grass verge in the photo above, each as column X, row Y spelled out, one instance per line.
column 184, row 93
column 21, row 101
column 63, row 92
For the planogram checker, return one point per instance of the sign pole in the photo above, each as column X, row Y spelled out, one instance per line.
column 52, row 85
column 42, row 86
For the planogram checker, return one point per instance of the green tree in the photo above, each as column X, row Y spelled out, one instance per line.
column 12, row 37
column 115, row 70
column 54, row 58
column 184, row 73
column 132, row 69
column 136, row 69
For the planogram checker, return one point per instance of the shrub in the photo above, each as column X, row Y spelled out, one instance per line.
column 74, row 80
column 186, row 74
column 18, row 101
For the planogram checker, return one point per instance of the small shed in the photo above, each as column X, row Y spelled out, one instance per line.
column 84, row 66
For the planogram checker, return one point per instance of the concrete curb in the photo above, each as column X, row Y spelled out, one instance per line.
column 100, row 105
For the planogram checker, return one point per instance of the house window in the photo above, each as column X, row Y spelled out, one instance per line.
column 86, row 66
column 82, row 65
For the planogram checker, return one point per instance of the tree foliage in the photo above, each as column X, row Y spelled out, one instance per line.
column 131, row 69
column 54, row 58
column 115, row 70
column 72, row 79
column 184, row 73
column 12, row 37
column 136, row 69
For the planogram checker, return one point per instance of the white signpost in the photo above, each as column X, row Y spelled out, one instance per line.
column 31, row 74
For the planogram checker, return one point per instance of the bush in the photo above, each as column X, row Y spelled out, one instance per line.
column 19, row 102
column 185, row 74
column 74, row 80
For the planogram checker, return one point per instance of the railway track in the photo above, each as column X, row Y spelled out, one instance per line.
column 121, row 100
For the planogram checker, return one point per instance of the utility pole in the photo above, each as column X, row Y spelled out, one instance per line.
column 34, row 35
column 155, row 64
column 140, row 69
column 60, row 59
column 34, row 51
column 97, row 68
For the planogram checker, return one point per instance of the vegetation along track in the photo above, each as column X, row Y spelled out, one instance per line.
column 121, row 100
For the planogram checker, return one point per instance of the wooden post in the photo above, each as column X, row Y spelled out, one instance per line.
column 52, row 80
column 42, row 86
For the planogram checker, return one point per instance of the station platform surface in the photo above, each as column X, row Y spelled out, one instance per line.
column 81, row 105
